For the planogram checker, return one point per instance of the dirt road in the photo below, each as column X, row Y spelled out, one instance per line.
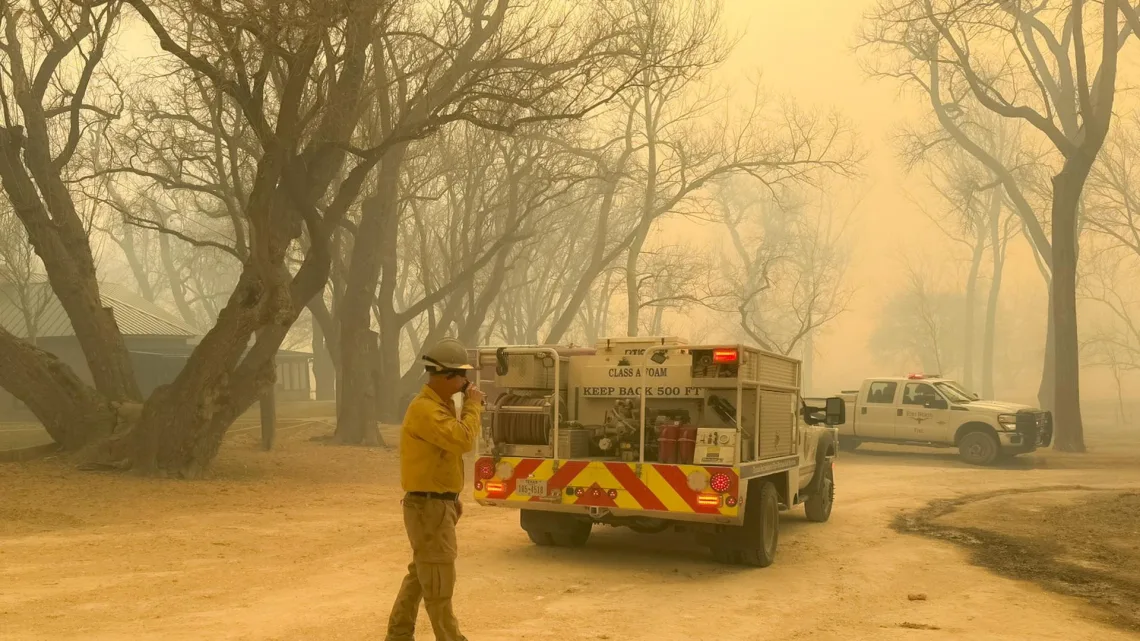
column 306, row 544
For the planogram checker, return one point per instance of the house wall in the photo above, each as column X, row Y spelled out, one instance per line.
column 293, row 380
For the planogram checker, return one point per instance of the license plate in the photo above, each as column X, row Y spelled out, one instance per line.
column 531, row 487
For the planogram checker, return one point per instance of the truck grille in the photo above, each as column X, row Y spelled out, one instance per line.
column 1036, row 427
column 1045, row 428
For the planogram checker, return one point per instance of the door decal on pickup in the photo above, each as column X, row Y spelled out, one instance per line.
column 919, row 417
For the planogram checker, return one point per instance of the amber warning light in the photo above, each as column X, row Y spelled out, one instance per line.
column 724, row 356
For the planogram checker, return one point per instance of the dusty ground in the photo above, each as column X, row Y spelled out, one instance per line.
column 1074, row 540
column 306, row 543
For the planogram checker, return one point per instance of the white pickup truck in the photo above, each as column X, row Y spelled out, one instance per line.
column 938, row 412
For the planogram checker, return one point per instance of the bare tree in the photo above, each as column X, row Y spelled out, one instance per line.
column 675, row 277
column 921, row 324
column 970, row 203
column 1012, row 160
column 681, row 148
column 786, row 278
column 485, row 62
column 45, row 109
column 1112, row 203
column 1109, row 283
column 242, row 53
column 1038, row 71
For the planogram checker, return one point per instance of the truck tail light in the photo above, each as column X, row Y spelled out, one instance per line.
column 720, row 482
column 724, row 355
column 486, row 470
column 708, row 499
column 495, row 487
column 730, row 501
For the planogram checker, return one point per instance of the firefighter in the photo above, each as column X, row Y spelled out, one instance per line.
column 433, row 441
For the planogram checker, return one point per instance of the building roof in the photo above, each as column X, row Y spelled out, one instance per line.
column 134, row 315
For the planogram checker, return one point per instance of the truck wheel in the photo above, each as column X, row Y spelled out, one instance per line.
column 540, row 537
column 763, row 528
column 979, row 448
column 536, row 526
column 818, row 505
column 848, row 444
column 573, row 535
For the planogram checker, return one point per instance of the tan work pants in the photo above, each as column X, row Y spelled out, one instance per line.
column 431, row 575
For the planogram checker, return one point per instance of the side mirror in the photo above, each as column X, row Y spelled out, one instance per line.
column 836, row 413
column 937, row 404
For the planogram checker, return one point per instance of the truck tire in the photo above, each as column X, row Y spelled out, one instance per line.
column 540, row 537
column 573, row 535
column 762, row 527
column 819, row 503
column 548, row 529
column 536, row 526
column 979, row 448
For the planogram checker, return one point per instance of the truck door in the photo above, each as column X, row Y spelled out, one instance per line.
column 877, row 415
column 922, row 414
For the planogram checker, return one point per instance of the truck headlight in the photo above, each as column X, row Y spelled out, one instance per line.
column 1007, row 421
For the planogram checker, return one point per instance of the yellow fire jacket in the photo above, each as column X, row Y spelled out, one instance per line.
column 433, row 441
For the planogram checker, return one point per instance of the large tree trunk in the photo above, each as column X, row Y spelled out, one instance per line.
column 355, row 402
column 373, row 254
column 182, row 424
column 1067, row 187
column 1046, row 391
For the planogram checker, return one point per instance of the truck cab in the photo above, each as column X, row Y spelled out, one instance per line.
column 939, row 412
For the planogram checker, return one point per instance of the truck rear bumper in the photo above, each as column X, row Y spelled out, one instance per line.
column 606, row 489
column 605, row 514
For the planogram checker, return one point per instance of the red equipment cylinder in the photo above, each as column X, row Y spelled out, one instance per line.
column 667, row 444
column 686, row 445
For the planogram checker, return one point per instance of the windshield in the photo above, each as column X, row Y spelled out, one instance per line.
column 954, row 392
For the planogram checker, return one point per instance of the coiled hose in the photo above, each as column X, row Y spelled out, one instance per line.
column 518, row 428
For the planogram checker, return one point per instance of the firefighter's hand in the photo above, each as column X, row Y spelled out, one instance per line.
column 458, row 509
column 475, row 395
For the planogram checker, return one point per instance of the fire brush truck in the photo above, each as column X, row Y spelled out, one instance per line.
column 654, row 434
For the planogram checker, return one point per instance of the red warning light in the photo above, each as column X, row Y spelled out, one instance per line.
column 724, row 355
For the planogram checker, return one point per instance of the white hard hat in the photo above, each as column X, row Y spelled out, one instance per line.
column 447, row 354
